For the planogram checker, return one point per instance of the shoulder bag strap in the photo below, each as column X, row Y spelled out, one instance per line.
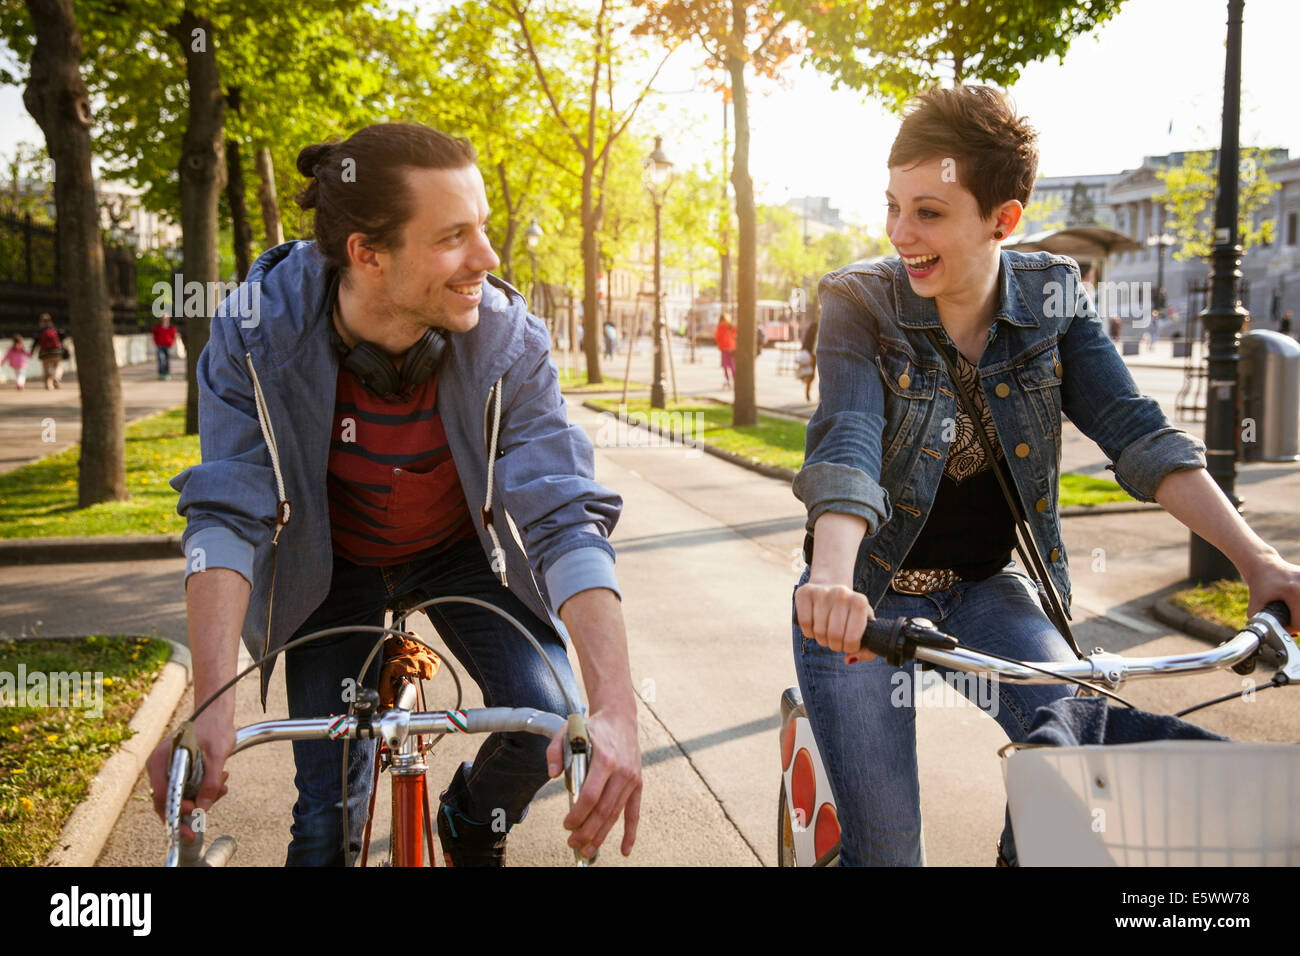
column 1025, row 546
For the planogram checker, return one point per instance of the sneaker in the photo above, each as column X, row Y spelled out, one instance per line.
column 466, row 843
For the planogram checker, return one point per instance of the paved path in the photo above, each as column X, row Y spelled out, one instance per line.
column 36, row 422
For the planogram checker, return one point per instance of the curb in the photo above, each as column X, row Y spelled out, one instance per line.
column 86, row 830
column 768, row 471
column 1165, row 612
column 67, row 550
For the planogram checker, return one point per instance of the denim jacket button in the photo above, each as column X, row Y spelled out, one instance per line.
column 904, row 380
column 1056, row 367
column 1041, row 505
column 1003, row 390
column 1055, row 555
column 1022, row 450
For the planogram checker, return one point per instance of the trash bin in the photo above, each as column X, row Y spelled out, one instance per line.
column 1268, row 383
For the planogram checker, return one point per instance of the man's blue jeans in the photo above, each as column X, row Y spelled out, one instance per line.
column 864, row 722
column 164, row 360
column 508, row 769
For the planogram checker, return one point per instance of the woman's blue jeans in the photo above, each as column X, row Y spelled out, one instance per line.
column 508, row 769
column 864, row 722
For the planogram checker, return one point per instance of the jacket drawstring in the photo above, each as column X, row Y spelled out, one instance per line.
column 498, row 555
column 282, row 508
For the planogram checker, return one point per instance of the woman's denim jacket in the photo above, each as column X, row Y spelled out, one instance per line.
column 877, row 444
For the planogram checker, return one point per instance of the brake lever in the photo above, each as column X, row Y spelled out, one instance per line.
column 184, row 778
column 577, row 760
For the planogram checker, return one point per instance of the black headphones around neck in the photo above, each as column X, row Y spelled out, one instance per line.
column 373, row 368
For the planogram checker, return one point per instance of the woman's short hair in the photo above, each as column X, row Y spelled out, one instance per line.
column 994, row 151
column 359, row 185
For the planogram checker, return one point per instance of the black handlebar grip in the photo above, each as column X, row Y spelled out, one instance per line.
column 880, row 637
column 1280, row 611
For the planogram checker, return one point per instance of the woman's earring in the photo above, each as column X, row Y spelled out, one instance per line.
column 997, row 233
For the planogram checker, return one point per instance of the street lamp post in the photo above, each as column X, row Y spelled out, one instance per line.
column 1162, row 242
column 1225, row 315
column 533, row 235
column 657, row 170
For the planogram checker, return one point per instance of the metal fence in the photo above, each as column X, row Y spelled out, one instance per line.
column 31, row 279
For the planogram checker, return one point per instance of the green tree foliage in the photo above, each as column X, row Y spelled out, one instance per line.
column 894, row 50
column 592, row 121
column 1189, row 202
column 739, row 39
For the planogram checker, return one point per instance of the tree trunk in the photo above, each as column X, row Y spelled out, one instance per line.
column 203, row 175
column 56, row 97
column 240, row 227
column 590, row 272
column 745, row 410
column 240, row 230
column 266, row 198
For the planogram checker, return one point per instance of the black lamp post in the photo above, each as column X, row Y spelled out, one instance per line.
column 1225, row 315
column 1161, row 242
column 533, row 235
column 657, row 172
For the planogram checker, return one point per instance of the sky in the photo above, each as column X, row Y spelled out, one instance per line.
column 1148, row 82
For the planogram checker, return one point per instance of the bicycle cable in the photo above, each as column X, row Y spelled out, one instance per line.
column 1237, row 695
column 1097, row 688
column 422, row 606
column 347, row 741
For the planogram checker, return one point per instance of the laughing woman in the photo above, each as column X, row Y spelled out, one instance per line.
column 905, row 513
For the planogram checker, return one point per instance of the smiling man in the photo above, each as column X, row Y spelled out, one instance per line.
column 368, row 441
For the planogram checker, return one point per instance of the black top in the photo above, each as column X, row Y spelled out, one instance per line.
column 970, row 528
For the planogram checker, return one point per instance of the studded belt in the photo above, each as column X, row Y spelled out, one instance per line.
column 924, row 580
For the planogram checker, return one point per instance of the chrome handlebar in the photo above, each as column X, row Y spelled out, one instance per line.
column 392, row 726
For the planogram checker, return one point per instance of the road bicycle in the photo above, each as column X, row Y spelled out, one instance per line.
column 1159, row 803
column 400, row 730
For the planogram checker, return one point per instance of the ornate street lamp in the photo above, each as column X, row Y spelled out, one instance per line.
column 657, row 173
column 1161, row 242
column 533, row 235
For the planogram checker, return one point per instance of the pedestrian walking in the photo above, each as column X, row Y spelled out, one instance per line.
column 16, row 358
column 1284, row 324
column 807, row 360
column 164, row 340
column 725, row 336
column 611, row 338
column 934, row 429
column 51, row 350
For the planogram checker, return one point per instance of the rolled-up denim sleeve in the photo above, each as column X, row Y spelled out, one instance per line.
column 1099, row 395
column 841, row 470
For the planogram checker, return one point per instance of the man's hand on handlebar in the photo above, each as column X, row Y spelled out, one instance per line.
column 835, row 616
column 613, row 784
column 215, row 730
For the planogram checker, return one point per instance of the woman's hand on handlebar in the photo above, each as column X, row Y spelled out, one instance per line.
column 835, row 616
column 1274, row 578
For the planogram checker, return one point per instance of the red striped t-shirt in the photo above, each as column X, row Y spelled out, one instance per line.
column 393, row 487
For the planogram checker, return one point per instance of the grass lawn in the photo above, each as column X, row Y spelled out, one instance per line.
column 1082, row 490
column 780, row 442
column 50, row 754
column 773, row 441
column 1223, row 602
column 40, row 500
column 575, row 380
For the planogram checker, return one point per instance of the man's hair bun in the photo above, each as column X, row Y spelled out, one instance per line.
column 311, row 157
